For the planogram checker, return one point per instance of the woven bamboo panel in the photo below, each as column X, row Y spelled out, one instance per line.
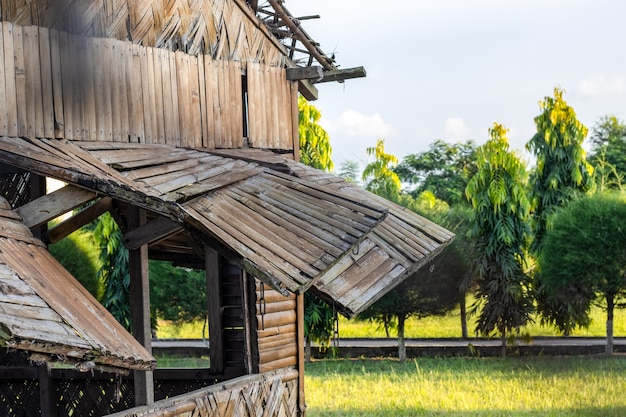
column 223, row 29
column 58, row 85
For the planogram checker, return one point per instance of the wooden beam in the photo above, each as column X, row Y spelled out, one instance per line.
column 80, row 219
column 140, row 307
column 314, row 73
column 308, row 90
column 214, row 301
column 343, row 74
column 151, row 232
column 51, row 206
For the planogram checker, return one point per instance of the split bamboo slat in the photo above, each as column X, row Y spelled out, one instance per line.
column 60, row 85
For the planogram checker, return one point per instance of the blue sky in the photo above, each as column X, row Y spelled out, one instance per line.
column 449, row 69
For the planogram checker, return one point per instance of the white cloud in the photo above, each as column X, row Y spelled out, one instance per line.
column 456, row 129
column 354, row 124
column 603, row 87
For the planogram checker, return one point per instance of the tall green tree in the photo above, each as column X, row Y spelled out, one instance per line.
column 443, row 169
column 378, row 175
column 315, row 149
column 500, row 226
column 583, row 260
column 562, row 169
column 608, row 139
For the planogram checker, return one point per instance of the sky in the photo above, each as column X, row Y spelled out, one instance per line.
column 449, row 69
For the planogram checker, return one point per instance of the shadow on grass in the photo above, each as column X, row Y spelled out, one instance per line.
column 399, row 412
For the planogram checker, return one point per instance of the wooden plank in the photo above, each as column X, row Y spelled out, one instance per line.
column 213, row 107
column 281, row 352
column 3, row 92
column 135, row 101
column 88, row 94
column 159, row 102
column 146, row 88
column 10, row 79
column 123, row 50
column 57, row 84
column 214, row 309
column 84, row 217
column 202, row 102
column 300, row 340
column 77, row 85
column 107, row 51
column 167, row 114
column 223, row 88
column 277, row 306
column 32, row 68
column 50, row 206
column 238, row 97
column 281, row 318
column 175, row 139
column 278, row 364
column 46, row 82
column 182, row 83
column 194, row 90
column 115, row 84
column 273, row 112
column 285, row 112
column 99, row 60
column 151, row 232
column 20, row 81
column 67, row 70
column 295, row 123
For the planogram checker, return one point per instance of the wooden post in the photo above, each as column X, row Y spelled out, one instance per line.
column 214, row 301
column 300, row 343
column 140, row 307
column 47, row 393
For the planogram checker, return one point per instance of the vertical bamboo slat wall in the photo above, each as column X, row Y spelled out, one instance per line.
column 276, row 328
column 53, row 84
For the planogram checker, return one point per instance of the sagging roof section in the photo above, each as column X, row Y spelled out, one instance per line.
column 46, row 312
column 292, row 226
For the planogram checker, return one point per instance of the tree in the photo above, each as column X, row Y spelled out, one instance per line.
column 608, row 139
column 114, row 270
column 562, row 169
column 378, row 175
column 500, row 227
column 583, row 260
column 315, row 149
column 443, row 169
column 349, row 171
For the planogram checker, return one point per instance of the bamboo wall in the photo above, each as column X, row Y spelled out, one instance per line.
column 222, row 29
column 276, row 329
column 57, row 85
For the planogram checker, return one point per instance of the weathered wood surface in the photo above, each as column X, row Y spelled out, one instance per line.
column 401, row 244
column 45, row 311
column 271, row 394
column 60, row 85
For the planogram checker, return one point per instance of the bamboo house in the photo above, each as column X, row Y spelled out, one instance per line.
column 180, row 119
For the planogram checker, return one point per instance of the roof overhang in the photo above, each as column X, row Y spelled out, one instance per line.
column 292, row 226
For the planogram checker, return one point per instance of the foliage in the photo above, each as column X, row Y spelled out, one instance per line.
column 79, row 255
column 318, row 320
column 315, row 149
column 459, row 387
column 608, row 138
column 378, row 176
column 177, row 294
column 562, row 169
column 444, row 169
column 501, row 210
column 114, row 270
column 349, row 171
column 584, row 259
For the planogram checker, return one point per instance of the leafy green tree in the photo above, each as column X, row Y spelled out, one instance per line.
column 315, row 149
column 319, row 319
column 562, row 169
column 177, row 294
column 349, row 171
column 608, row 156
column 443, row 169
column 500, row 227
column 583, row 260
column 114, row 270
column 378, row 175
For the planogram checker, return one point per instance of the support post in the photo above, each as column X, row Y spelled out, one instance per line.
column 214, row 305
column 300, row 336
column 140, row 307
column 47, row 393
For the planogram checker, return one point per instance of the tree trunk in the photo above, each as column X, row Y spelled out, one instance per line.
column 503, row 346
column 401, row 342
column 610, row 305
column 463, row 307
column 307, row 350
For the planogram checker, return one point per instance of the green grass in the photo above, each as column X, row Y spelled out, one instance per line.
column 533, row 386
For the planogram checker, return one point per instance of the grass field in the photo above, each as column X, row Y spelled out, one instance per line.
column 446, row 326
column 481, row 387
